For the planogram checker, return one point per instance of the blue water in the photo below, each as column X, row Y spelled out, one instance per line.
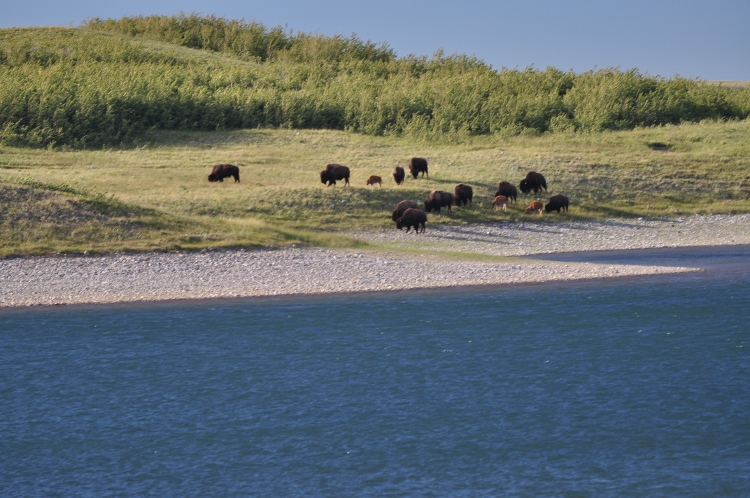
column 637, row 387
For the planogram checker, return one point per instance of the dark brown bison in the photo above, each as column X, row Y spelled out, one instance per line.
column 533, row 181
column 222, row 171
column 412, row 218
column 462, row 195
column 438, row 199
column 334, row 172
column 399, row 174
column 534, row 206
column 556, row 203
column 418, row 165
column 508, row 190
column 372, row 180
column 403, row 206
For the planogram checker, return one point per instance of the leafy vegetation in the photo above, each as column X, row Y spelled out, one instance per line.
column 109, row 82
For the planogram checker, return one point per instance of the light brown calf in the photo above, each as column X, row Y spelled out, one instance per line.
column 500, row 201
column 535, row 206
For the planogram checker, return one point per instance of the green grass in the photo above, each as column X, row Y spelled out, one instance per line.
column 157, row 197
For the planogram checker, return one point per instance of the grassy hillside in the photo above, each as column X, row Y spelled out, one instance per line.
column 108, row 133
column 157, row 196
column 109, row 82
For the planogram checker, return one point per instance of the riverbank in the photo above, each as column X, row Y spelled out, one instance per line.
column 290, row 271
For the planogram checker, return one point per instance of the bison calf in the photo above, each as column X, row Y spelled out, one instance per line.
column 534, row 206
column 412, row 218
column 500, row 201
column 222, row 171
column 373, row 179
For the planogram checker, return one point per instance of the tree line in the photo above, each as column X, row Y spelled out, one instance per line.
column 108, row 81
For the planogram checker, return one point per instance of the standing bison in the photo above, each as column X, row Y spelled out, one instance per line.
column 334, row 172
column 462, row 195
column 508, row 190
column 399, row 174
column 533, row 181
column 401, row 207
column 556, row 203
column 222, row 171
column 438, row 199
column 418, row 165
column 412, row 218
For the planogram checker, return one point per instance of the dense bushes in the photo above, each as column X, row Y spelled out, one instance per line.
column 108, row 82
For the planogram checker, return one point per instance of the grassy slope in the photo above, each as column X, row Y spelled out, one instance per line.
column 157, row 197
column 160, row 194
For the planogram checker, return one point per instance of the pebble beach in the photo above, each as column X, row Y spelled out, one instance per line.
column 212, row 274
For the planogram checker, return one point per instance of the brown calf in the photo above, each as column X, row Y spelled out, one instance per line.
column 500, row 201
column 373, row 179
column 535, row 206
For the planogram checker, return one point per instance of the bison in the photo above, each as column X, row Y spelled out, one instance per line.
column 556, row 203
column 334, row 172
column 412, row 218
column 401, row 207
column 399, row 174
column 534, row 206
column 373, row 179
column 508, row 190
column 533, row 181
column 418, row 165
column 462, row 195
column 500, row 201
column 222, row 171
column 438, row 199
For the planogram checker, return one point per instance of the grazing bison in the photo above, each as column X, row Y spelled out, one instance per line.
column 412, row 218
column 334, row 172
column 399, row 174
column 462, row 195
column 533, row 181
column 500, row 201
column 373, row 179
column 401, row 207
column 556, row 203
column 534, row 206
column 437, row 200
column 418, row 165
column 508, row 190
column 222, row 171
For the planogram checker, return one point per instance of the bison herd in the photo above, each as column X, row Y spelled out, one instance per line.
column 407, row 213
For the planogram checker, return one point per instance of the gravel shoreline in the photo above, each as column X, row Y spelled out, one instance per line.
column 58, row 280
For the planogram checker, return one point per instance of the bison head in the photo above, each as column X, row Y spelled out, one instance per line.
column 524, row 186
column 212, row 178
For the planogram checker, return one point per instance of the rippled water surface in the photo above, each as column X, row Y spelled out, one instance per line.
column 630, row 387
